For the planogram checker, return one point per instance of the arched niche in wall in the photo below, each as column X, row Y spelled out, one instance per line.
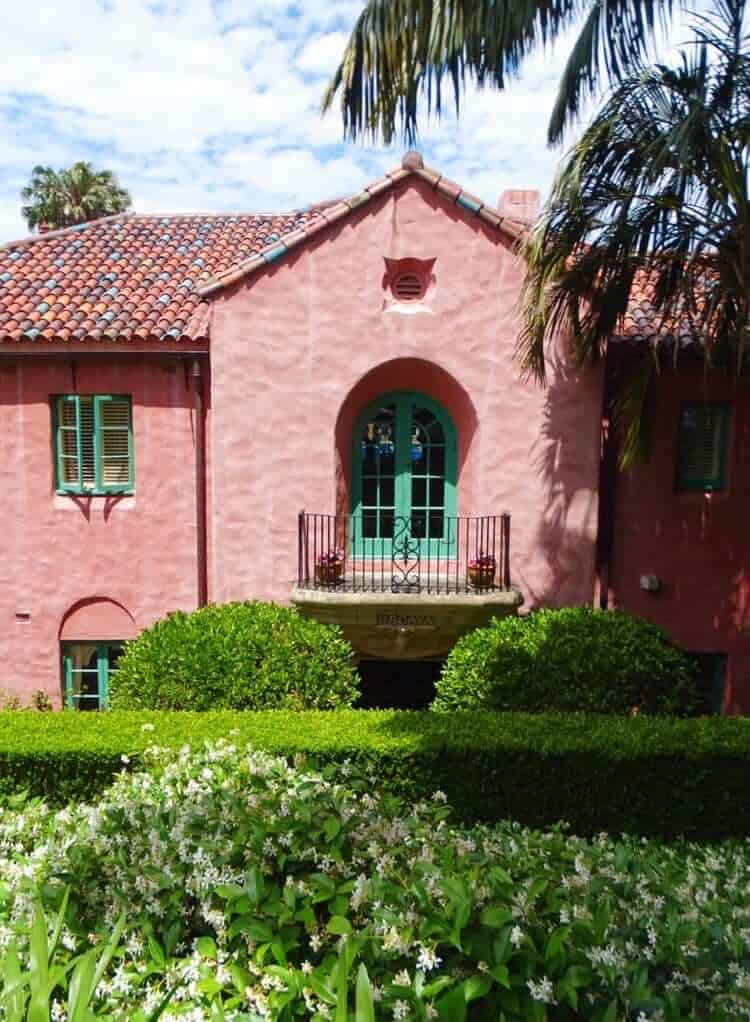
column 95, row 619
column 402, row 374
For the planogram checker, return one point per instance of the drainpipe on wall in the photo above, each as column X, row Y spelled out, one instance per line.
column 608, row 469
column 200, row 484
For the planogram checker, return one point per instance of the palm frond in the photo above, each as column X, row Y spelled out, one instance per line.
column 402, row 52
column 655, row 194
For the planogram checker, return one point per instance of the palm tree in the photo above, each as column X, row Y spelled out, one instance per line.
column 655, row 195
column 403, row 50
column 73, row 196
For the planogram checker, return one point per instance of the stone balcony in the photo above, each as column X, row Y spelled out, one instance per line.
column 404, row 596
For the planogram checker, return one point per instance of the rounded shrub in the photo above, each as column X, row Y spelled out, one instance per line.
column 236, row 656
column 576, row 658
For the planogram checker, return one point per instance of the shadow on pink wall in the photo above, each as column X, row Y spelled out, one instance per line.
column 401, row 374
column 565, row 456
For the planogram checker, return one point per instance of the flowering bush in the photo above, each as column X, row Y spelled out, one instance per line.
column 254, row 890
column 575, row 658
column 239, row 656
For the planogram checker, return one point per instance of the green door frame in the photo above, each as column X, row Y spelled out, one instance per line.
column 406, row 402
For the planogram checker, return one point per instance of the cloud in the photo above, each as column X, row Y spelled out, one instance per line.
column 215, row 104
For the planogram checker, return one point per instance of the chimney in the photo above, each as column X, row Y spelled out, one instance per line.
column 520, row 204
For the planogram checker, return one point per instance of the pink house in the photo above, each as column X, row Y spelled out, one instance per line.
column 323, row 407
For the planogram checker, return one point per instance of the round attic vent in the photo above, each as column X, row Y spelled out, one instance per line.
column 408, row 287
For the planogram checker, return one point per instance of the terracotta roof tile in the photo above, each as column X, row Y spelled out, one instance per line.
column 120, row 276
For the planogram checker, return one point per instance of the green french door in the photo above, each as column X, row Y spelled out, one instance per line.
column 404, row 476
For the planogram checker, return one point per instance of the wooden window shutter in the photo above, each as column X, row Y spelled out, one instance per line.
column 68, row 443
column 702, row 447
column 114, row 442
column 87, row 441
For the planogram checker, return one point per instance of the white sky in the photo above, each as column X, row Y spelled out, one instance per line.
column 214, row 106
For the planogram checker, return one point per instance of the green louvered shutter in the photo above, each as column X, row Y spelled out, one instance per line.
column 702, row 452
column 114, row 444
column 68, row 432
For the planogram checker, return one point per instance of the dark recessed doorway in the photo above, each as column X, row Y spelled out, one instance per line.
column 398, row 684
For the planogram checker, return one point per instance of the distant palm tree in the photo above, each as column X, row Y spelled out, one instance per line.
column 401, row 50
column 73, row 196
column 655, row 194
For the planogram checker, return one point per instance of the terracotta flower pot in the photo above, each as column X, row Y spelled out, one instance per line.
column 482, row 577
column 329, row 574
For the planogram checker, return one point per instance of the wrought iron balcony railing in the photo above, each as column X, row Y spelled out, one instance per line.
column 422, row 552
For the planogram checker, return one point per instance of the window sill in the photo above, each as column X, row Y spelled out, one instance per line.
column 66, row 500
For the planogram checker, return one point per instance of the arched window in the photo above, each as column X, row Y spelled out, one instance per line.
column 404, row 474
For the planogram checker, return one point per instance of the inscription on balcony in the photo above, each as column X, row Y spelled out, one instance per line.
column 404, row 621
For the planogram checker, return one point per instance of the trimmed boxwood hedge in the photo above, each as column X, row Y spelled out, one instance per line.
column 645, row 775
column 236, row 656
column 568, row 659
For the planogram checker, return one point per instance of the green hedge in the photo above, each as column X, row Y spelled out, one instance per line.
column 651, row 776
column 569, row 659
column 236, row 656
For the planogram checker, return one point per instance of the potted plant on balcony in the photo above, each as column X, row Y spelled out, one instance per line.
column 329, row 568
column 482, row 571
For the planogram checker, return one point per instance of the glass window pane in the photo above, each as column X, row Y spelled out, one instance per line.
column 437, row 435
column 437, row 524
column 387, row 463
column 369, row 524
column 387, row 493
column 437, row 461
column 418, row 492
column 370, row 492
column 437, row 489
column 386, row 525
column 419, row 525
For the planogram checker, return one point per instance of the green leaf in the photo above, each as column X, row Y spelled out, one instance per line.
column 155, row 950
column 206, row 947
column 610, row 1015
column 501, row 974
column 451, row 1007
column 476, row 987
column 339, row 925
column 365, row 1008
column 209, row 985
column 495, row 916
column 331, row 827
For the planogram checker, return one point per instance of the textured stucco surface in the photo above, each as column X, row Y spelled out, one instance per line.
column 299, row 350
column 137, row 552
column 695, row 543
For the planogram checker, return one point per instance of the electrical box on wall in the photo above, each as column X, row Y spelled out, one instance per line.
column 650, row 583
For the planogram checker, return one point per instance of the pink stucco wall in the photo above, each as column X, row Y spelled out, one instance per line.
column 137, row 554
column 298, row 350
column 695, row 543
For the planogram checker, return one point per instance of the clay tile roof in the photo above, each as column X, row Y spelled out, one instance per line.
column 127, row 271
column 150, row 278
column 641, row 323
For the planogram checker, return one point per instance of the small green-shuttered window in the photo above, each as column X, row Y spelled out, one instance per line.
column 94, row 443
column 702, row 446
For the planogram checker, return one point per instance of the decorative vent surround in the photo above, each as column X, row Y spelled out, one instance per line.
column 408, row 284
column 408, row 287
